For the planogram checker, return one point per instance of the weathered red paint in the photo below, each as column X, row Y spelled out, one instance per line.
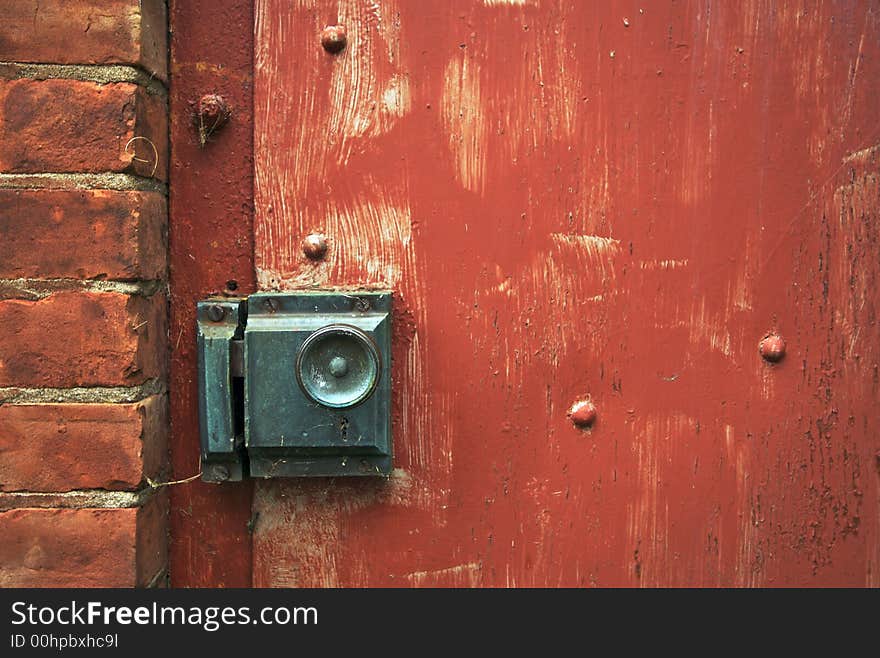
column 211, row 197
column 565, row 203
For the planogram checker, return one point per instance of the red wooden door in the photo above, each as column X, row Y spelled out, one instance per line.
column 603, row 201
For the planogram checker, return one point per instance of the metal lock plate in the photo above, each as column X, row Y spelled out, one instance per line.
column 311, row 394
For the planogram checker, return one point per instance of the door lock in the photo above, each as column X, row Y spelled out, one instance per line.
column 295, row 384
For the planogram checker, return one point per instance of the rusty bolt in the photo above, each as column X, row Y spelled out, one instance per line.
column 583, row 413
column 334, row 38
column 271, row 305
column 216, row 313
column 772, row 348
column 315, row 246
column 212, row 114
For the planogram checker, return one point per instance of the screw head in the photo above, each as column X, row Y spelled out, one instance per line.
column 583, row 414
column 362, row 305
column 334, row 38
column 772, row 348
column 219, row 472
column 216, row 313
column 315, row 246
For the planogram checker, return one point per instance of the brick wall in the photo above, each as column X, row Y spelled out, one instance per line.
column 83, row 307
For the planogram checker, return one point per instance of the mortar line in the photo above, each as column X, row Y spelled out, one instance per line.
column 98, row 73
column 32, row 289
column 82, row 181
column 76, row 499
column 20, row 395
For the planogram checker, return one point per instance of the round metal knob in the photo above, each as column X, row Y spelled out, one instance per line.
column 338, row 366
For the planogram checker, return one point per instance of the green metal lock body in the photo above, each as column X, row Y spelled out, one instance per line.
column 295, row 384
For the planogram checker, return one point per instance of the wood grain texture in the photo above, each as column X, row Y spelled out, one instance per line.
column 577, row 199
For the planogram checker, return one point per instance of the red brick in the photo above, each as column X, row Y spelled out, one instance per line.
column 85, row 32
column 82, row 339
column 82, row 234
column 61, row 447
column 83, row 547
column 74, row 126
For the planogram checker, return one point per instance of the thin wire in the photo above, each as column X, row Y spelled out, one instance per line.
column 157, row 485
column 137, row 159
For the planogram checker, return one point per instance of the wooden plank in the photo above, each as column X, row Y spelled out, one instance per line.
column 211, row 207
column 586, row 199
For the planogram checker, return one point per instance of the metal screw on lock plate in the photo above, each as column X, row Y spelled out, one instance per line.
column 217, row 473
column 216, row 313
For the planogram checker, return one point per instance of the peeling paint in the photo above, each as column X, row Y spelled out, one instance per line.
column 511, row 3
column 462, row 575
column 462, row 107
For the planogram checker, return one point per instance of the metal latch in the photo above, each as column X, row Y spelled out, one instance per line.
column 295, row 384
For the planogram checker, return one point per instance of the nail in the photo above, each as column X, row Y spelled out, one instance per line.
column 334, row 38
column 583, row 413
column 772, row 348
column 213, row 113
column 315, row 246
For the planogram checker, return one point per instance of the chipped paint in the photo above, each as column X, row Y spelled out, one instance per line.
column 510, row 3
column 667, row 264
column 462, row 108
column 461, row 575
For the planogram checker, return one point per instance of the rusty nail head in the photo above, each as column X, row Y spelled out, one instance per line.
column 216, row 313
column 583, row 413
column 213, row 107
column 334, row 38
column 213, row 113
column 772, row 348
column 315, row 246
column 271, row 305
